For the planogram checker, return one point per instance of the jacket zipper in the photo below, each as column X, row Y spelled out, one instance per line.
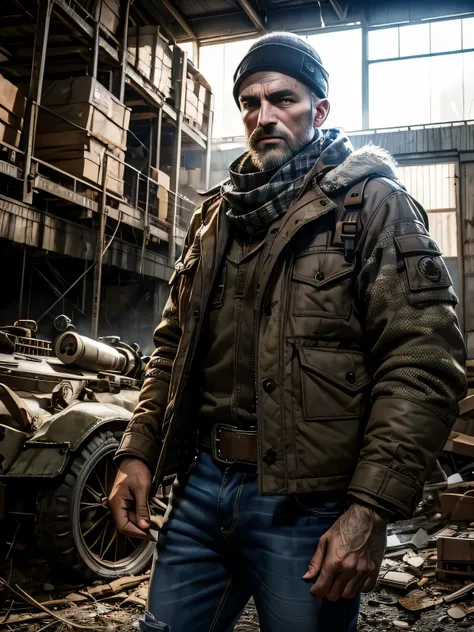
column 261, row 292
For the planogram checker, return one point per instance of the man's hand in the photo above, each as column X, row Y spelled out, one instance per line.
column 349, row 555
column 128, row 499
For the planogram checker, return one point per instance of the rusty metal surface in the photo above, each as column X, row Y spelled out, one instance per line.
column 74, row 424
column 38, row 462
column 11, row 442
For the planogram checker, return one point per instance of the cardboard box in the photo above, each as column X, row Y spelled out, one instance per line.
column 9, row 135
column 150, row 53
column 161, row 177
column 460, row 549
column 86, row 90
column 57, row 140
column 460, row 506
column 87, row 169
column 110, row 15
column 460, row 443
column 163, row 203
column 83, row 157
column 11, row 99
column 87, row 117
column 11, row 119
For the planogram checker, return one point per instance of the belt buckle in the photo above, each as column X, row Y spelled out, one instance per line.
column 216, row 439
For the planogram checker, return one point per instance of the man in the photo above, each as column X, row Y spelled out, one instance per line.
column 309, row 354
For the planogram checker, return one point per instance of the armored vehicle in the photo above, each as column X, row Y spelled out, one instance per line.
column 63, row 408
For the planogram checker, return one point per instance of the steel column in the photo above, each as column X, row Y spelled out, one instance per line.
column 176, row 163
column 45, row 8
column 95, row 50
column 159, row 126
column 207, row 173
column 365, row 78
column 123, row 69
column 22, row 284
column 99, row 255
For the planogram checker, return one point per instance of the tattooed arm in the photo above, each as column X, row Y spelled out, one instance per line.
column 349, row 555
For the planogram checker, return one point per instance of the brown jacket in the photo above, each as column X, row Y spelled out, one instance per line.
column 359, row 365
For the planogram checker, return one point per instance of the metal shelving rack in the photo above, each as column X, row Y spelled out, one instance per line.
column 39, row 181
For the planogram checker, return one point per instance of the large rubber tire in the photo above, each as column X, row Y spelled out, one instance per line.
column 66, row 517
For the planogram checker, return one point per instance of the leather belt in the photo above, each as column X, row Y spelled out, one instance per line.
column 229, row 444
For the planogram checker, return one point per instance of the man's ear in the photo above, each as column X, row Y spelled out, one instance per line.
column 321, row 113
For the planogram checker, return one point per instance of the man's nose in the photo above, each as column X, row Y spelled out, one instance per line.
column 267, row 115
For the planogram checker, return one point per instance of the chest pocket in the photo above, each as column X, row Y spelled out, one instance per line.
column 322, row 284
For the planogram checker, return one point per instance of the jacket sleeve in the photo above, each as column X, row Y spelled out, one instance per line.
column 407, row 302
column 142, row 437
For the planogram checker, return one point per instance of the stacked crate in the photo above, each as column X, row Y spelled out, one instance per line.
column 107, row 11
column 110, row 15
column 199, row 100
column 82, row 121
column 151, row 55
column 12, row 112
column 162, row 192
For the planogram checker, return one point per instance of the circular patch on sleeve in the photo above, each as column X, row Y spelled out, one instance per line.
column 430, row 269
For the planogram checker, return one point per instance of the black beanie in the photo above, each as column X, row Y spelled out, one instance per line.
column 286, row 53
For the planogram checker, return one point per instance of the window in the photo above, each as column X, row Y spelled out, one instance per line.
column 383, row 44
column 188, row 49
column 399, row 93
column 468, row 33
column 433, row 86
column 218, row 64
column 415, row 40
column 445, row 36
column 468, row 83
column 341, row 54
column 434, row 187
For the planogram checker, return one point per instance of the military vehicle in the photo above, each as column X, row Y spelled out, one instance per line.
column 63, row 408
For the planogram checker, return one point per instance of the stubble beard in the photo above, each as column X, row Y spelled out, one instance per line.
column 267, row 159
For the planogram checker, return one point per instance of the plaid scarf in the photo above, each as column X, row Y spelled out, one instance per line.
column 258, row 198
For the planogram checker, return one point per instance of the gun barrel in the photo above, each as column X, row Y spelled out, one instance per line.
column 72, row 348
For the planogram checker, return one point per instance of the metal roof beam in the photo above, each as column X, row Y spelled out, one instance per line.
column 253, row 15
column 339, row 11
column 178, row 16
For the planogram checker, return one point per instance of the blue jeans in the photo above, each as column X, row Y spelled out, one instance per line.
column 223, row 544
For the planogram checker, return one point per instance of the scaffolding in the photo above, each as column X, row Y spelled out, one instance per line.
column 48, row 40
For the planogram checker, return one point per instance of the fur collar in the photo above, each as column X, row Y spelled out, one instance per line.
column 360, row 164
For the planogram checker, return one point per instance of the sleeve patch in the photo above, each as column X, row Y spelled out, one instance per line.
column 427, row 272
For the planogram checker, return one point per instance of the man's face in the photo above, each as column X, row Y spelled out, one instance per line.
column 279, row 116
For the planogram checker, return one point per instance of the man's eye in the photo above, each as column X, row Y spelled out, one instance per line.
column 286, row 100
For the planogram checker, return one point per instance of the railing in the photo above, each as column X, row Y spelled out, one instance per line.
column 121, row 182
column 240, row 139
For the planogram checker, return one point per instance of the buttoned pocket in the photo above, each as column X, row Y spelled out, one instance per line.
column 322, row 284
column 334, row 384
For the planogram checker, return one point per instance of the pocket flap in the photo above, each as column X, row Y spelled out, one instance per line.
column 321, row 268
column 345, row 368
column 412, row 245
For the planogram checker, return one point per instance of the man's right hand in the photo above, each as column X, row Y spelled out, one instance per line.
column 128, row 499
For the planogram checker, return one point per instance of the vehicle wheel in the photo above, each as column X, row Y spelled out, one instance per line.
column 75, row 527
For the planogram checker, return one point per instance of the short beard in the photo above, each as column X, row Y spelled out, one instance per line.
column 268, row 159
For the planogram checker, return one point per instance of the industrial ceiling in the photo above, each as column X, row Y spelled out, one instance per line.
column 212, row 21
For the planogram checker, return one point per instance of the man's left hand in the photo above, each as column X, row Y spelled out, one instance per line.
column 349, row 555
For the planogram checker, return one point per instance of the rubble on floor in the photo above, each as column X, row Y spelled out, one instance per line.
column 426, row 582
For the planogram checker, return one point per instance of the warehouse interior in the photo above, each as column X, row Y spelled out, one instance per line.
column 116, row 117
column 115, row 114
